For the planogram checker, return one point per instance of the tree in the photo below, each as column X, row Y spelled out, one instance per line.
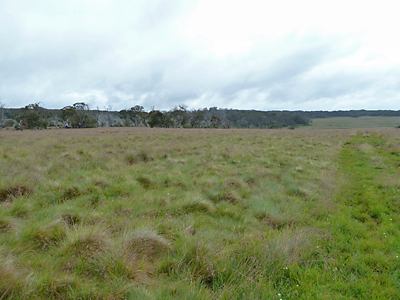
column 180, row 114
column 156, row 118
column 77, row 116
column 32, row 116
column 215, row 121
column 135, row 114
column 196, row 118
column 168, row 122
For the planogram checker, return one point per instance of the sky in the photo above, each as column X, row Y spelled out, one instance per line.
column 253, row 54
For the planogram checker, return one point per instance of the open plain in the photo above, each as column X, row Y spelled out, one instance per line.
column 140, row 213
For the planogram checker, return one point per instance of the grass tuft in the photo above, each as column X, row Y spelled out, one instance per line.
column 21, row 209
column 85, row 242
column 275, row 221
column 144, row 182
column 142, row 156
column 229, row 196
column 201, row 265
column 70, row 193
column 198, row 206
column 14, row 191
column 71, row 218
column 43, row 238
column 11, row 277
column 144, row 244
column 5, row 224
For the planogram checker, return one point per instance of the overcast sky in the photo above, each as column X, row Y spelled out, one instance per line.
column 253, row 54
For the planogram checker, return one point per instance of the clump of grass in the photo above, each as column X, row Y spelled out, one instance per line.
column 225, row 209
column 296, row 191
column 101, row 183
column 45, row 237
column 275, row 221
column 196, row 262
column 190, row 230
column 233, row 183
column 145, row 244
column 71, row 218
column 21, row 209
column 142, row 156
column 11, row 279
column 85, row 242
column 251, row 180
column 144, row 182
column 14, row 191
column 297, row 246
column 113, row 265
column 197, row 206
column 59, row 288
column 167, row 182
column 5, row 224
column 70, row 193
column 130, row 159
column 229, row 196
column 94, row 200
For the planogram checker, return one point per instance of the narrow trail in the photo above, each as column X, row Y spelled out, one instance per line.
column 364, row 252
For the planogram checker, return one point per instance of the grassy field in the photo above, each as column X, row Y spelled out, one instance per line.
column 140, row 213
column 347, row 122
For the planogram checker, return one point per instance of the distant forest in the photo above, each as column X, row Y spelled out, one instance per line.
column 79, row 115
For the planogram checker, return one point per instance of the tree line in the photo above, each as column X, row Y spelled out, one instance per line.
column 80, row 115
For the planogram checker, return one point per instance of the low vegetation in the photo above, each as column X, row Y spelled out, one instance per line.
column 140, row 213
column 351, row 122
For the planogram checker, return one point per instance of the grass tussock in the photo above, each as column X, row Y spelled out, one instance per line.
column 5, row 224
column 144, row 182
column 11, row 277
column 228, row 196
column 48, row 236
column 198, row 206
column 14, row 191
column 275, row 221
column 142, row 156
column 144, row 244
column 70, row 193
column 85, row 242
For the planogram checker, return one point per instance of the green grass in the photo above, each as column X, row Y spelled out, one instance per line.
column 348, row 122
column 128, row 213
